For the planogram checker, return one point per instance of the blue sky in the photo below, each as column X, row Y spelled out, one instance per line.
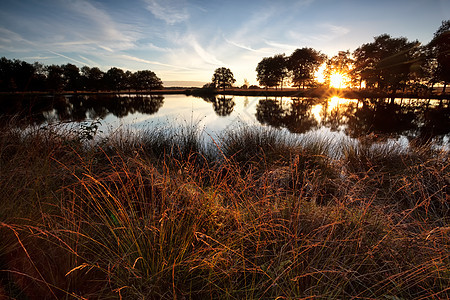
column 186, row 40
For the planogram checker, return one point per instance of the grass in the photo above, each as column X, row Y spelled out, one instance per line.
column 255, row 215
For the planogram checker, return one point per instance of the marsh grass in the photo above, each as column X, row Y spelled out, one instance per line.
column 254, row 214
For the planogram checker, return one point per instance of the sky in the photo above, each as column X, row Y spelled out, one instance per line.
column 186, row 40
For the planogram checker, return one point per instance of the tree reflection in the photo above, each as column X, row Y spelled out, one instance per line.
column 379, row 117
column 223, row 106
column 300, row 118
column 297, row 117
column 37, row 110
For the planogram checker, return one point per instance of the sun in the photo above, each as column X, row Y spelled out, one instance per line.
column 338, row 80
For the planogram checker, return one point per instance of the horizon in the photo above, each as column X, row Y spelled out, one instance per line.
column 185, row 41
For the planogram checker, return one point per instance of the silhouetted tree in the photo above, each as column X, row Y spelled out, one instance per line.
column 386, row 62
column 39, row 77
column 128, row 80
column 115, row 79
column 222, row 78
column 72, row 77
column 271, row 71
column 302, row 64
column 93, row 78
column 16, row 75
column 246, row 84
column 55, row 79
column 440, row 53
column 146, row 80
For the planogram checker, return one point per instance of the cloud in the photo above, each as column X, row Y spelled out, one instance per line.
column 133, row 58
column 204, row 54
column 102, row 29
column 91, row 62
column 168, row 10
column 13, row 41
column 334, row 30
column 244, row 46
column 69, row 58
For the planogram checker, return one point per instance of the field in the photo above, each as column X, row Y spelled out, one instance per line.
column 254, row 214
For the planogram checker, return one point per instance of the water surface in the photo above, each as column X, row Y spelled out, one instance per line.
column 380, row 120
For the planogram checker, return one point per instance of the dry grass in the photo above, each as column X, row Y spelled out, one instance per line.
column 159, row 216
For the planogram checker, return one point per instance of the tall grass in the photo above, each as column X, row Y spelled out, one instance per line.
column 161, row 215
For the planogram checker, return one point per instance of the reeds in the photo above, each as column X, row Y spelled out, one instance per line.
column 254, row 214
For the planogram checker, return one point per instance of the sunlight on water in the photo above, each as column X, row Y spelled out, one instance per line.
column 335, row 118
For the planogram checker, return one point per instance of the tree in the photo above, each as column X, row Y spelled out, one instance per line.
column 146, row 80
column 55, row 79
column 440, row 53
column 223, row 77
column 115, row 79
column 246, row 84
column 386, row 62
column 302, row 64
column 72, row 77
column 16, row 75
column 271, row 71
column 93, row 78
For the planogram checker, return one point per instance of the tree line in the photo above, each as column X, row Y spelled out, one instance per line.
column 17, row 75
column 387, row 64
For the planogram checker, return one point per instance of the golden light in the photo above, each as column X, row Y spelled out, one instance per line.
column 334, row 102
column 320, row 73
column 316, row 112
column 338, row 80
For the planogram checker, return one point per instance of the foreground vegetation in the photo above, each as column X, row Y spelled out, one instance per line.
column 253, row 214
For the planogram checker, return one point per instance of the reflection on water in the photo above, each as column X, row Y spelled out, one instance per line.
column 37, row 110
column 380, row 118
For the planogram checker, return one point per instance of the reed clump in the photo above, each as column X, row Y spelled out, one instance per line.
column 164, row 214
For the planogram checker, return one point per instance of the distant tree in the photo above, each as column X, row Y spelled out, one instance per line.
column 92, row 77
column 271, row 71
column 55, row 79
column 386, row 62
column 440, row 54
column 246, row 84
column 114, row 79
column 146, row 80
column 5, row 74
column 222, row 78
column 16, row 75
column 39, row 78
column 302, row 64
column 72, row 77
column 209, row 85
column 128, row 80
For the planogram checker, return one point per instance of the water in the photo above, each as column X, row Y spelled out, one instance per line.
column 374, row 120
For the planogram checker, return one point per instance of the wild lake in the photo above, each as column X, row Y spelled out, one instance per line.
column 377, row 120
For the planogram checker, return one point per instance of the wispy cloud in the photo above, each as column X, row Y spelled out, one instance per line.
column 170, row 11
column 133, row 58
column 13, row 41
column 244, row 46
column 90, row 61
column 69, row 58
column 38, row 57
column 207, row 57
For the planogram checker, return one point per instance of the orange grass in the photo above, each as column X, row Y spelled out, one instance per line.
column 253, row 215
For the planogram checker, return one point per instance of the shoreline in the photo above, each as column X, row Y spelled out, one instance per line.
column 287, row 92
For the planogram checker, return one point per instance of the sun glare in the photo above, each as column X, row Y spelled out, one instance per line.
column 337, row 80
column 320, row 73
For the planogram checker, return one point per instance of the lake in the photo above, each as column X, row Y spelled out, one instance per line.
column 380, row 120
